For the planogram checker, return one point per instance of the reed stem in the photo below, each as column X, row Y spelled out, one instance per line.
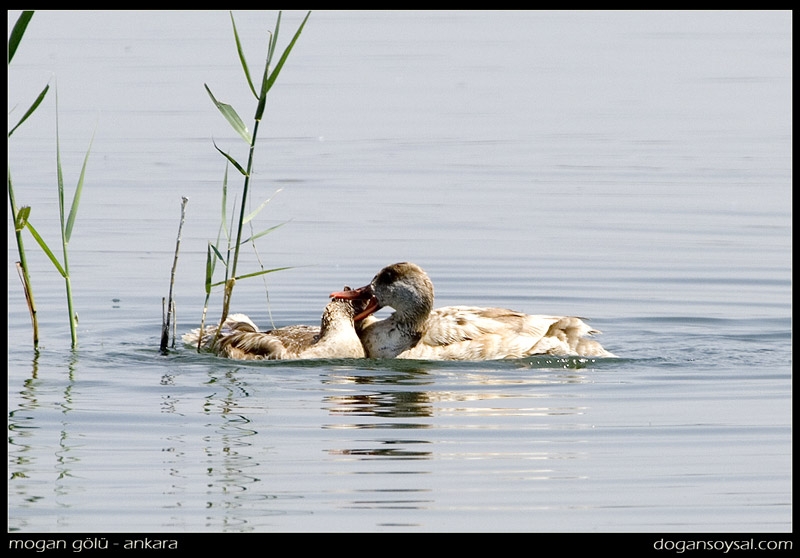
column 22, row 265
column 171, row 303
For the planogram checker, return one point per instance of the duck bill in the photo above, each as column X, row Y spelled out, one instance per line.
column 371, row 307
column 364, row 295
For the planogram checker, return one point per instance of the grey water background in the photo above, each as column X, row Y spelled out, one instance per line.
column 631, row 167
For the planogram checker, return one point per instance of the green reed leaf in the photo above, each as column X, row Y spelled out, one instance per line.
column 18, row 31
column 264, row 232
column 219, row 254
column 30, row 111
column 262, row 96
column 209, row 269
column 59, row 173
column 46, row 249
column 262, row 272
column 232, row 117
column 260, row 207
column 242, row 59
column 232, row 160
column 267, row 82
column 73, row 211
column 22, row 218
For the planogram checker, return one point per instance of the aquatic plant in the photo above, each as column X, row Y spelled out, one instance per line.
column 21, row 217
column 168, row 305
column 231, row 258
column 214, row 253
column 66, row 229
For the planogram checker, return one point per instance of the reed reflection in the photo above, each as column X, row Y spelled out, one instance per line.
column 21, row 428
column 226, row 451
column 65, row 461
column 27, row 425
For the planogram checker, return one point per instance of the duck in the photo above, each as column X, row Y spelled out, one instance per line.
column 240, row 338
column 418, row 331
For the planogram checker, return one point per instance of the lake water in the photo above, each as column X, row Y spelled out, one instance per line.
column 634, row 168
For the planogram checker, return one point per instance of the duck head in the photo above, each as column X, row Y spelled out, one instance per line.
column 350, row 301
column 339, row 313
column 403, row 286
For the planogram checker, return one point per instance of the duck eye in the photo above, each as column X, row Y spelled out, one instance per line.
column 386, row 276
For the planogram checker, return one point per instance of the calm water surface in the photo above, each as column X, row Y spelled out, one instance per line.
column 633, row 168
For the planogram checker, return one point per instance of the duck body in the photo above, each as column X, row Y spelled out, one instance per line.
column 417, row 331
column 240, row 338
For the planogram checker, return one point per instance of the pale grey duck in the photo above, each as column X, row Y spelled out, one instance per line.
column 418, row 331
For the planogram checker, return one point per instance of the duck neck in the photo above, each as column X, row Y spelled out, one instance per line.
column 412, row 318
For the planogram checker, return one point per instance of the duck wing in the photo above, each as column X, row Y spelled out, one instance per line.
column 251, row 345
column 474, row 333
column 452, row 324
column 296, row 338
column 568, row 336
column 240, row 339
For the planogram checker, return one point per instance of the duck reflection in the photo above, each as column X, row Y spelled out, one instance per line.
column 398, row 393
column 411, row 393
column 414, row 397
column 396, row 449
column 395, row 404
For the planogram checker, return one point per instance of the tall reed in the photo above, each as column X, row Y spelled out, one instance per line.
column 66, row 229
column 267, row 81
column 20, row 216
